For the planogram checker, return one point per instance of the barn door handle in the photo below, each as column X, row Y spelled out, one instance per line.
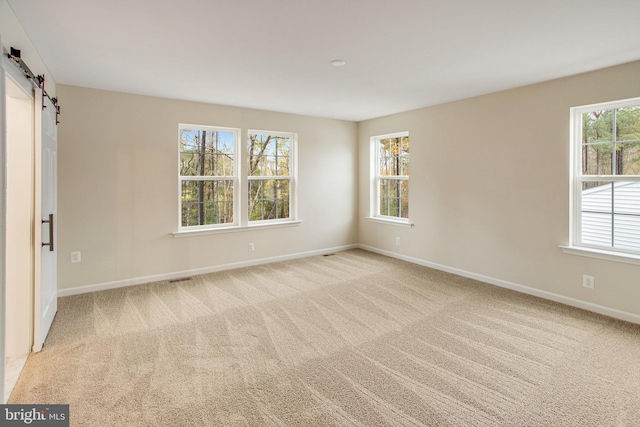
column 50, row 222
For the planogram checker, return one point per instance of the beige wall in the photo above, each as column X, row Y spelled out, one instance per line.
column 118, row 188
column 489, row 190
column 489, row 187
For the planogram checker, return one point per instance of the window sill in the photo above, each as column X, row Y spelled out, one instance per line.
column 390, row 221
column 602, row 254
column 233, row 229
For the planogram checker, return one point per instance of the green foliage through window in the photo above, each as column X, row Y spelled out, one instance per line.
column 269, row 170
column 392, row 175
column 611, row 142
column 207, row 159
column 207, row 202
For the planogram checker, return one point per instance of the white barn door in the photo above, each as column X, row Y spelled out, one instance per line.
column 46, row 286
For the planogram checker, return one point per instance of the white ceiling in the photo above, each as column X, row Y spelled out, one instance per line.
column 275, row 54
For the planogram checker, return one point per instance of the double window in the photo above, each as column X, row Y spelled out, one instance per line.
column 390, row 192
column 606, row 176
column 223, row 185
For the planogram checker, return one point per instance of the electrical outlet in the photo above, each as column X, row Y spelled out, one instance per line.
column 588, row 281
column 252, row 247
column 398, row 241
column 76, row 257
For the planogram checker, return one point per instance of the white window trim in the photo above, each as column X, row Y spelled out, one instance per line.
column 374, row 206
column 233, row 229
column 601, row 254
column 292, row 177
column 236, row 178
column 576, row 247
column 391, row 221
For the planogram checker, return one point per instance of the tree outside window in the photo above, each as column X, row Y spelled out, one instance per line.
column 270, row 167
column 392, row 176
column 207, row 175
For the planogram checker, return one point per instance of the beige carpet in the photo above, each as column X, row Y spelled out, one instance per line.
column 354, row 339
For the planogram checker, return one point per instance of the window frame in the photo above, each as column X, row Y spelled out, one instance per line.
column 241, row 182
column 292, row 177
column 376, row 177
column 235, row 178
column 576, row 245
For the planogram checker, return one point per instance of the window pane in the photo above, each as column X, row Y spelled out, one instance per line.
column 626, row 232
column 269, row 155
column 385, row 166
column 206, row 153
column 597, row 208
column 268, row 199
column 386, row 196
column 404, row 199
column 596, row 229
column 628, row 124
column 597, row 126
column 628, row 158
column 596, row 197
column 626, row 220
column 404, row 155
column 394, row 198
column 597, row 159
column 626, row 198
column 404, row 165
column 384, row 147
column 611, row 214
column 404, row 204
column 207, row 202
column 393, row 156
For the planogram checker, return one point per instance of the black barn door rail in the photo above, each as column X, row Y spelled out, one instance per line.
column 37, row 81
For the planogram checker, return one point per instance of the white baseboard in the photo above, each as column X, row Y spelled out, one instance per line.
column 607, row 311
column 611, row 312
column 178, row 274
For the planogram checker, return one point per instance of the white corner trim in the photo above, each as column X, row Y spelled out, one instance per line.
column 573, row 302
column 602, row 254
column 185, row 273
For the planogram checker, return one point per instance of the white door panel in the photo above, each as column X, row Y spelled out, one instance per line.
column 46, row 297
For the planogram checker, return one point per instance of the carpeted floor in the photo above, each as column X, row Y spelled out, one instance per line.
column 353, row 339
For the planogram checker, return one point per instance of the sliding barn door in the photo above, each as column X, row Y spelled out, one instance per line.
column 46, row 289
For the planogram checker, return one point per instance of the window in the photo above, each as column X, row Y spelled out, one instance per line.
column 606, row 176
column 208, row 176
column 270, row 175
column 390, row 155
column 224, row 187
